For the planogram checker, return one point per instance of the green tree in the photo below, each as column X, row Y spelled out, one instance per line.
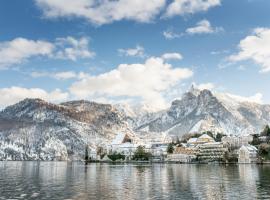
column 219, row 137
column 255, row 140
column 170, row 148
column 141, row 154
column 116, row 156
column 264, row 151
column 86, row 155
column 266, row 131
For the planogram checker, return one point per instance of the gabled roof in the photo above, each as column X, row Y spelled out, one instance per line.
column 205, row 136
column 192, row 140
column 119, row 138
column 249, row 148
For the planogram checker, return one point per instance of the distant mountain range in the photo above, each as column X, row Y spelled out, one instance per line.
column 34, row 129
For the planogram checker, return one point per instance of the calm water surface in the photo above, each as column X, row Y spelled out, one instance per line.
column 61, row 180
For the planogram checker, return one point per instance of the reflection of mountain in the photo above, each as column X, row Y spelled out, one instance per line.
column 217, row 182
column 262, row 182
column 62, row 180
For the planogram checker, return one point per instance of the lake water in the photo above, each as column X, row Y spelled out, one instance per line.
column 62, row 180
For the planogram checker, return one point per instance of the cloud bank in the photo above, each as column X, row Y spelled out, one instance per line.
column 19, row 50
column 146, row 81
column 255, row 47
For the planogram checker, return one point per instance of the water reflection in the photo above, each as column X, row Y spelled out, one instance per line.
column 62, row 180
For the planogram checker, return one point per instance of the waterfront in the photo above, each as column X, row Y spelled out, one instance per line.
column 62, row 180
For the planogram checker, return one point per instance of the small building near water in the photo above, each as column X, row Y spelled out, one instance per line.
column 214, row 151
column 247, row 154
column 123, row 144
column 183, row 155
column 200, row 140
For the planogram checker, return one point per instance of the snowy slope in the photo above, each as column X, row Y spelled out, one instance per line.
column 203, row 110
column 34, row 129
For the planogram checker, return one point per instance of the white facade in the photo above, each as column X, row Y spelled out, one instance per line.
column 122, row 144
column 200, row 140
column 212, row 151
column 247, row 154
column 183, row 158
column 236, row 141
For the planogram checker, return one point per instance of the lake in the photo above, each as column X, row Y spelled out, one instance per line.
column 74, row 180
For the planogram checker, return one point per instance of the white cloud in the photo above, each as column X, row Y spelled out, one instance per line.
column 19, row 50
column 145, row 81
column 203, row 27
column 102, row 11
column 255, row 47
column 241, row 68
column 219, row 52
column 138, row 51
column 65, row 75
column 205, row 86
column 172, row 56
column 56, row 75
column 169, row 35
column 72, row 49
column 257, row 98
column 183, row 7
column 14, row 94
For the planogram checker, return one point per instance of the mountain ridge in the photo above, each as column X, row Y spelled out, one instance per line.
column 34, row 129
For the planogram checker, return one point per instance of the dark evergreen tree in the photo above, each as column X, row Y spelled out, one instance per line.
column 170, row 148
column 266, row 131
column 141, row 154
column 86, row 156
column 219, row 137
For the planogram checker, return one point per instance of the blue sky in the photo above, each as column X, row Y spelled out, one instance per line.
column 115, row 51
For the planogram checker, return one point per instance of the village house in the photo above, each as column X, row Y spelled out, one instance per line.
column 157, row 149
column 235, row 142
column 183, row 155
column 122, row 144
column 213, row 151
column 205, row 139
column 200, row 140
column 247, row 154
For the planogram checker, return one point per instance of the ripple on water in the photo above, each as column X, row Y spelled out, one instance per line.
column 61, row 180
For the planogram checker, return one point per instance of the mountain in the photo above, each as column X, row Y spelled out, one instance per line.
column 203, row 110
column 37, row 130
column 34, row 129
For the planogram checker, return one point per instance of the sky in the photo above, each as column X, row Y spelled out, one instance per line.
column 133, row 51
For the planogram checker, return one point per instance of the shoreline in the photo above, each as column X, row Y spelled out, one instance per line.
column 176, row 162
column 143, row 162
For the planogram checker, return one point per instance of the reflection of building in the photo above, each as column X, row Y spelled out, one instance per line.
column 247, row 154
column 211, row 151
column 182, row 154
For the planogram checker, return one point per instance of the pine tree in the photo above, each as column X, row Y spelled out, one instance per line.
column 86, row 157
column 266, row 131
column 170, row 148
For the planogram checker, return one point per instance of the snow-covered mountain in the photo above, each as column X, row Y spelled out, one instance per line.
column 203, row 110
column 35, row 129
